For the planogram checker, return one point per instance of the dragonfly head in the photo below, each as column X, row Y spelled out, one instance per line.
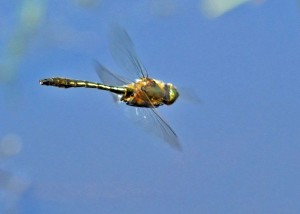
column 171, row 94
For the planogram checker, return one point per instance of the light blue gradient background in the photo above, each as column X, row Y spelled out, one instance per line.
column 241, row 144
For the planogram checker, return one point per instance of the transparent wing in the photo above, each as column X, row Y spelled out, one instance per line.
column 123, row 51
column 109, row 78
column 190, row 95
column 151, row 121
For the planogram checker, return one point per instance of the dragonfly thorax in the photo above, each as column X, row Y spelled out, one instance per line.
column 147, row 92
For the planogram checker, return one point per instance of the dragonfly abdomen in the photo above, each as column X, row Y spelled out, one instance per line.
column 71, row 83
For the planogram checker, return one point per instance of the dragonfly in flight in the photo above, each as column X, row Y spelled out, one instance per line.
column 143, row 93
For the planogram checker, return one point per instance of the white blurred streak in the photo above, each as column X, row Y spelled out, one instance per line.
column 17, row 184
column 32, row 13
column 216, row 8
column 29, row 19
column 12, row 187
column 12, row 184
column 10, row 145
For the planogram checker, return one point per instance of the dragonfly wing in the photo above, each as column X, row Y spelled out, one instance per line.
column 123, row 51
column 150, row 120
column 109, row 78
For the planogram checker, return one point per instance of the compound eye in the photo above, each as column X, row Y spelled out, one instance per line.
column 172, row 94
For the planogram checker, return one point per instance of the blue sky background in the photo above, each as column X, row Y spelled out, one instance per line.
column 75, row 151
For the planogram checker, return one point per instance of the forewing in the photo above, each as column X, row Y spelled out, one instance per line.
column 123, row 51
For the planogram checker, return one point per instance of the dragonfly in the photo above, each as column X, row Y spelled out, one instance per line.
column 138, row 90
